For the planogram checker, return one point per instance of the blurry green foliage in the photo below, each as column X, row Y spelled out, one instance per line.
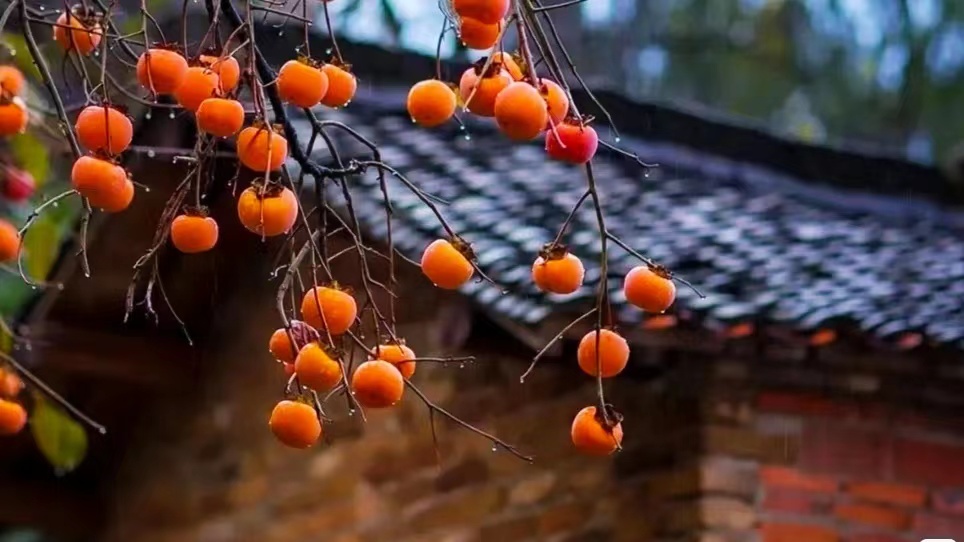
column 61, row 439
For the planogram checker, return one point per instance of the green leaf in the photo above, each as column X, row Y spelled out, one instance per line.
column 32, row 156
column 41, row 244
column 60, row 439
column 21, row 56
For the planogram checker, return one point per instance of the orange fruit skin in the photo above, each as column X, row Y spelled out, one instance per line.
column 13, row 118
column 556, row 100
column 342, row 86
column 103, row 183
column 509, row 64
column 301, row 84
column 161, row 71
column 591, row 437
column 261, row 149
column 485, row 11
column 483, row 102
column 613, row 353
column 478, row 35
column 78, row 36
column 521, row 112
column 338, row 309
column 13, row 418
column 11, row 80
column 316, row 369
column 295, row 425
column 228, row 70
column 445, row 266
column 377, row 384
column 221, row 117
column 104, row 129
column 193, row 234
column 398, row 355
column 199, row 84
column 10, row 384
column 270, row 215
column 280, row 346
column 115, row 202
column 558, row 276
column 572, row 143
column 9, row 241
column 430, row 103
column 648, row 291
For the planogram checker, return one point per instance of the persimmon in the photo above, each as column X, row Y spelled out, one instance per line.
column 557, row 102
column 508, row 64
column 479, row 91
column 613, row 353
column 220, row 117
column 301, row 84
column 649, row 288
column 13, row 117
column 316, row 368
column 521, row 111
column 17, row 185
column 446, row 264
column 377, row 384
column 398, row 355
column 572, row 142
column 11, row 81
column 295, row 424
column 9, row 241
column 115, row 202
column 558, row 271
column 10, row 384
column 102, row 182
column 200, row 83
column 431, row 103
column 161, row 70
column 341, row 86
column 478, row 35
column 329, row 308
column 289, row 369
column 262, row 149
column 76, row 32
column 270, row 211
column 194, row 233
column 486, row 11
column 591, row 435
column 104, row 129
column 227, row 69
column 280, row 344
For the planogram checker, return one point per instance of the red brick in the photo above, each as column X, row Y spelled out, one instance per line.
column 794, row 501
column 930, row 463
column 877, row 516
column 928, row 525
column 837, row 449
column 876, row 537
column 792, row 532
column 902, row 495
column 949, row 501
column 791, row 478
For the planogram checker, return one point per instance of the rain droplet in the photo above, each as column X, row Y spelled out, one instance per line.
column 462, row 365
column 33, row 287
column 617, row 139
column 56, row 203
column 171, row 114
column 351, row 412
column 328, row 51
column 147, row 115
column 495, row 448
column 462, row 127
column 96, row 53
column 468, row 137
column 151, row 153
column 413, row 120
column 281, row 32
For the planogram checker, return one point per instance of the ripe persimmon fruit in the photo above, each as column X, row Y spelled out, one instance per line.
column 194, row 232
column 398, row 355
column 486, row 11
column 295, row 424
column 103, row 183
column 329, row 308
column 261, row 148
column 10, row 384
column 508, row 64
column 11, row 81
column 161, row 70
column 447, row 264
column 13, row 417
column 301, row 83
column 221, row 117
column 268, row 211
column 557, row 102
column 521, row 111
column 558, row 271
column 613, row 353
column 377, row 384
column 289, row 369
column 592, row 436
column 480, row 91
column 9, row 241
column 104, row 129
column 341, row 85
column 280, row 344
column 316, row 368
column 227, row 69
column 478, row 35
column 13, row 116
column 572, row 142
column 200, row 83
column 650, row 289
column 431, row 103
column 75, row 31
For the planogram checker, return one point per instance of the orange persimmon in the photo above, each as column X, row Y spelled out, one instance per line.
column 486, row 11
column 161, row 70
column 341, row 85
column 13, row 116
column 227, row 69
column 558, row 271
column 613, row 353
column 377, row 384
column 478, row 35
column 9, row 241
column 650, row 289
column 446, row 265
column 591, row 436
column 104, row 129
column 262, row 149
column 479, row 92
column 268, row 211
column 194, row 233
column 11, row 81
column 316, row 368
column 75, row 31
column 200, row 83
column 521, row 111
column 431, row 103
column 295, row 424
column 13, row 417
column 301, row 84
column 103, row 183
column 329, row 308
column 220, row 117
column 398, row 355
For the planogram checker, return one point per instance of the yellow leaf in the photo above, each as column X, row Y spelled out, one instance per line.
column 60, row 439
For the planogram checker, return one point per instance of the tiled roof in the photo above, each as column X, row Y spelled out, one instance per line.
column 761, row 245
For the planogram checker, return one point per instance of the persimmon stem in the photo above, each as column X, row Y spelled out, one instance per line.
column 554, row 340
